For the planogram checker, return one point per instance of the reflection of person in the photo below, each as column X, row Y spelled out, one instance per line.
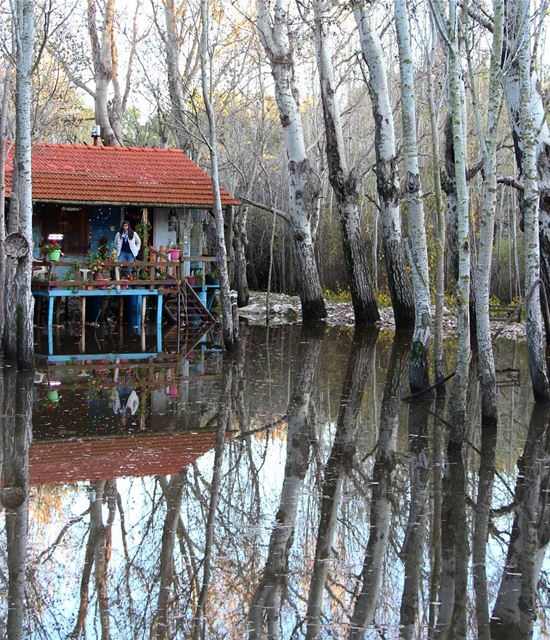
column 125, row 402
column 127, row 243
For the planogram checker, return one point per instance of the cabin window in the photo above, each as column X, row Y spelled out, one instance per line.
column 74, row 227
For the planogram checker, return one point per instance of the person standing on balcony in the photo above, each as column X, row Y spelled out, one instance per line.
column 127, row 244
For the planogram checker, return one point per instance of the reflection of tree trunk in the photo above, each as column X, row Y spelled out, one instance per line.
column 338, row 464
column 98, row 551
column 103, row 554
column 224, row 417
column 173, row 492
column 415, row 534
column 452, row 622
column 437, row 479
column 267, row 598
column 514, row 612
column 17, row 434
column 381, row 508
column 479, row 542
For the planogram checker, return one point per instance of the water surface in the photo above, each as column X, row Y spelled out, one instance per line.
column 286, row 491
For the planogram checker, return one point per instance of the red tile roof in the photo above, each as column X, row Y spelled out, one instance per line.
column 106, row 458
column 118, row 175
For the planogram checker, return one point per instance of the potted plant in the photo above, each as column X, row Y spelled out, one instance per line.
column 51, row 251
column 174, row 252
column 213, row 277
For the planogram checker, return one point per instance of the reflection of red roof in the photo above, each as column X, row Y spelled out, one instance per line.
column 106, row 458
column 117, row 175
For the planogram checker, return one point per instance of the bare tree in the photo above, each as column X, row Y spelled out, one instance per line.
column 387, row 177
column 342, row 176
column 418, row 249
column 274, row 30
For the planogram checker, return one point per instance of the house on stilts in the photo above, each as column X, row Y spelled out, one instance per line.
column 82, row 193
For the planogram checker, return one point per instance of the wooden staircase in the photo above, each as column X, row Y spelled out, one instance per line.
column 182, row 306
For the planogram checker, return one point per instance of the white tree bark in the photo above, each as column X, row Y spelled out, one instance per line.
column 387, row 178
column 229, row 337
column 304, row 185
column 532, row 139
column 343, row 178
column 102, row 59
column 3, row 154
column 19, row 339
column 463, row 219
column 487, row 219
column 418, row 249
column 173, row 18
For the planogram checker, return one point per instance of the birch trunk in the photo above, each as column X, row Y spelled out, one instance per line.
column 418, row 250
column 440, row 225
column 458, row 404
column 19, row 340
column 304, row 185
column 338, row 466
column 229, row 332
column 240, row 243
column 3, row 155
column 488, row 144
column 102, row 59
column 528, row 120
column 381, row 501
column 343, row 178
column 387, row 178
column 174, row 76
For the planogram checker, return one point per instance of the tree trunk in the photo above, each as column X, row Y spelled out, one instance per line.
column 3, row 154
column 102, row 58
column 174, row 77
column 19, row 339
column 240, row 242
column 343, row 179
column 229, row 332
column 463, row 353
column 387, row 178
column 418, row 250
column 487, row 220
column 532, row 147
column 304, row 185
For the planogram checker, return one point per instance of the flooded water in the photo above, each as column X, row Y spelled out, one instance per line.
column 287, row 491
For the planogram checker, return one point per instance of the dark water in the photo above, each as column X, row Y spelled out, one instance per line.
column 285, row 492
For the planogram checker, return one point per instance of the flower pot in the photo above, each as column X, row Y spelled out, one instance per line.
column 192, row 280
column 53, row 396
column 172, row 392
column 55, row 255
column 174, row 254
column 102, row 286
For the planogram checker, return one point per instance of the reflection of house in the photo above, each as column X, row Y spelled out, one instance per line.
column 84, row 192
column 106, row 458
